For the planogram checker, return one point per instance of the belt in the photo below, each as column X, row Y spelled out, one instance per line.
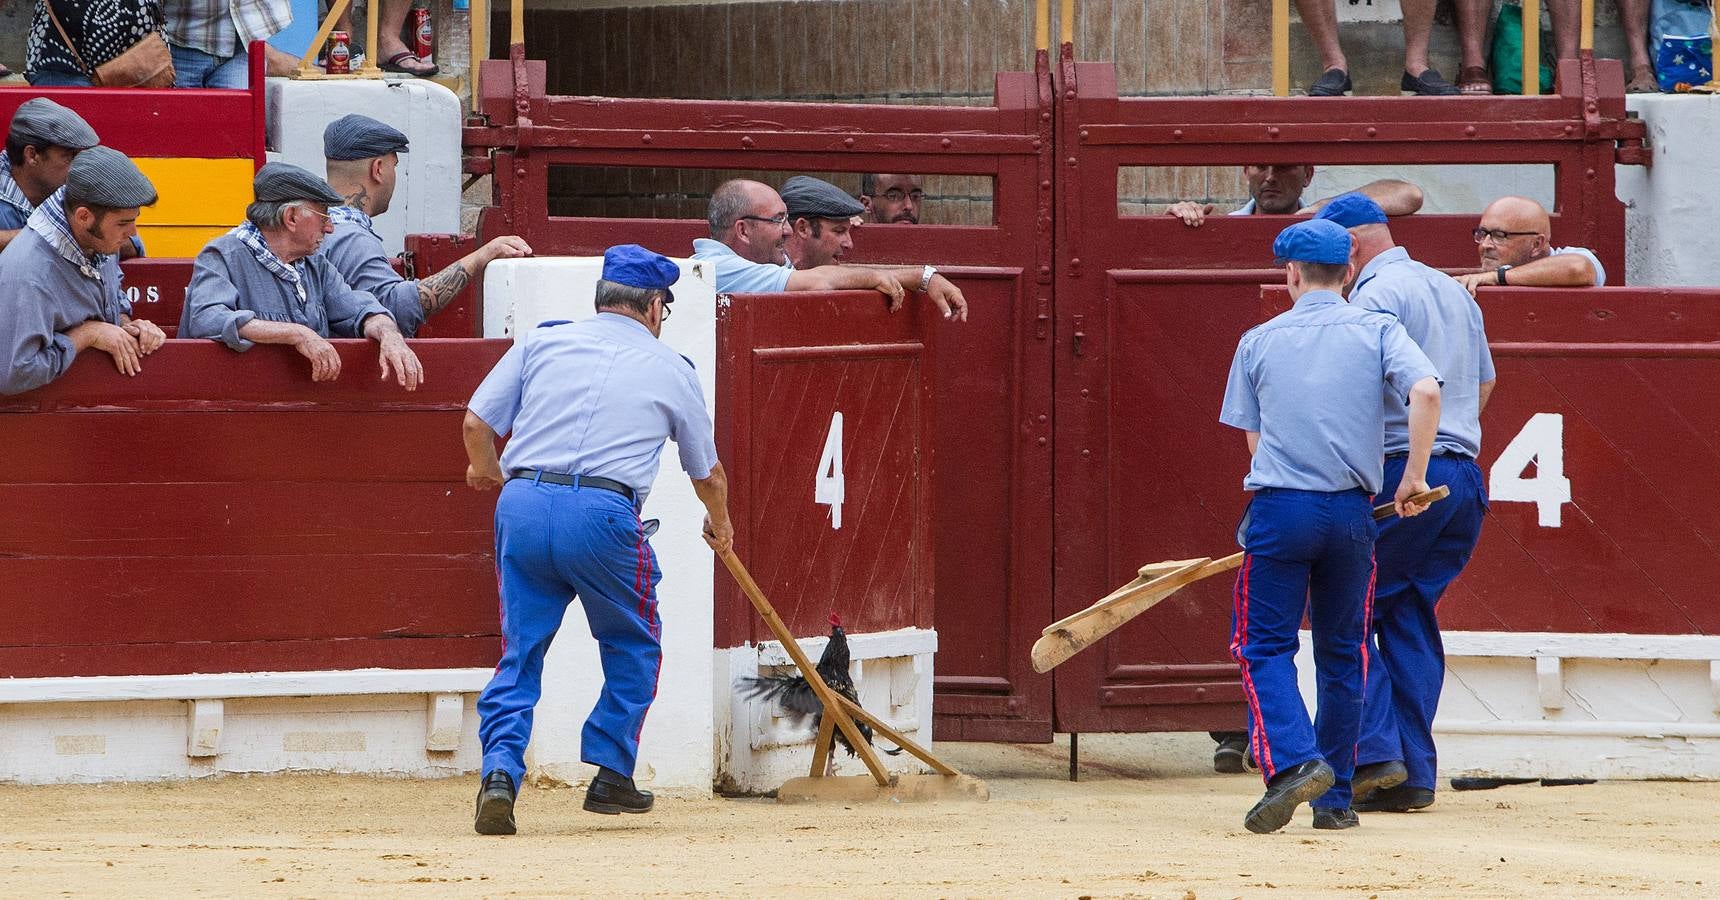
column 1448, row 454
column 590, row 481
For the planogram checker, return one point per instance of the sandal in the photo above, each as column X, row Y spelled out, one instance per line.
column 406, row 63
column 1473, row 81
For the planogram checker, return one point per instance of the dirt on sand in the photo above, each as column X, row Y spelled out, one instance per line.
column 1148, row 819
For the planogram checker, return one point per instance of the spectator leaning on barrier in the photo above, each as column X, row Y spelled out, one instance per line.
column 362, row 157
column 749, row 226
column 59, row 278
column 209, row 38
column 892, row 199
column 1514, row 241
column 1321, row 17
column 262, row 283
column 100, row 30
column 41, row 142
column 1277, row 190
column 820, row 217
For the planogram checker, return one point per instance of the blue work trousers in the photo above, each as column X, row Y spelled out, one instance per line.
column 555, row 543
column 1306, row 550
column 1418, row 558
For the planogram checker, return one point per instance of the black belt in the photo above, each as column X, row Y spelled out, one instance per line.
column 1448, row 454
column 591, row 481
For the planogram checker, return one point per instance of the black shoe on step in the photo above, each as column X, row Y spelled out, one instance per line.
column 1290, row 789
column 495, row 814
column 1402, row 798
column 1331, row 83
column 612, row 793
column 1428, row 84
column 1335, row 819
column 1377, row 776
column 1229, row 758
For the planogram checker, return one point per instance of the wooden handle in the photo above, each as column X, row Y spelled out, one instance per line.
column 1387, row 510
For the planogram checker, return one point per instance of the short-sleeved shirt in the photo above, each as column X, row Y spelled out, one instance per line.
column 1584, row 252
column 230, row 287
column 1309, row 381
column 356, row 250
column 596, row 397
column 1446, row 323
column 741, row 276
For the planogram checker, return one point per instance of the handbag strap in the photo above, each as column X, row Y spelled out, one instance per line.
column 68, row 39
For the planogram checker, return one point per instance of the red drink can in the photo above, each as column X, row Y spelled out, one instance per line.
column 339, row 60
column 425, row 35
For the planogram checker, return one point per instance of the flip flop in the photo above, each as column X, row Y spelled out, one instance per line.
column 399, row 63
column 1473, row 81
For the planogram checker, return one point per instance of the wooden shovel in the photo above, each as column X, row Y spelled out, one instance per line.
column 1154, row 582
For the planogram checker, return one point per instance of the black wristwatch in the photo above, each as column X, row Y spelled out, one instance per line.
column 1499, row 274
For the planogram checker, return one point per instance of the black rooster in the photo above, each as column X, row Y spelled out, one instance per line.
column 796, row 694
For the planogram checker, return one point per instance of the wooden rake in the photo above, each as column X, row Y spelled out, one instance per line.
column 1154, row 582
column 840, row 712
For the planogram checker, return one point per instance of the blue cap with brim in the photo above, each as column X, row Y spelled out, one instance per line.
column 1352, row 209
column 635, row 266
column 1314, row 241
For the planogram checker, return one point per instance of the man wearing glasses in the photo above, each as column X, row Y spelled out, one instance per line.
column 749, row 228
column 892, row 199
column 1514, row 241
column 263, row 283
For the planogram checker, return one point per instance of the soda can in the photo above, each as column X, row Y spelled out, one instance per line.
column 425, row 35
column 339, row 59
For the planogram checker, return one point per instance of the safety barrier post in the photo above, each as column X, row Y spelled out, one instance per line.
column 480, row 43
column 1531, row 47
column 1280, row 48
column 1587, row 41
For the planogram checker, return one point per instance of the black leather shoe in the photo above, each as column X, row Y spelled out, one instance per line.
column 1377, row 776
column 495, row 813
column 1230, row 755
column 1331, row 83
column 612, row 793
column 1428, row 84
column 1290, row 789
column 1335, row 819
column 1402, row 798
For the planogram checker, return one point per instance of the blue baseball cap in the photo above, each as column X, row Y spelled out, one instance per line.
column 1313, row 241
column 1353, row 209
column 635, row 266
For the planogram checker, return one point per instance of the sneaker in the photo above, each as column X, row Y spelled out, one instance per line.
column 1290, row 789
column 1402, row 798
column 1375, row 776
column 1230, row 757
column 1428, row 84
column 612, row 793
column 495, row 813
column 1335, row 819
column 1331, row 83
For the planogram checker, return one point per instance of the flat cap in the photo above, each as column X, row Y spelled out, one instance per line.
column 41, row 121
column 104, row 176
column 1353, row 209
column 354, row 136
column 812, row 198
column 280, row 182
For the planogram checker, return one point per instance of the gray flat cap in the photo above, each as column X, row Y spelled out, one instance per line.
column 104, row 176
column 360, row 137
column 812, row 198
column 42, row 121
column 279, row 182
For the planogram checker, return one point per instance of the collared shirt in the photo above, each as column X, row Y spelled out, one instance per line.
column 45, row 290
column 1309, row 381
column 15, row 208
column 224, row 27
column 1248, row 209
column 356, row 250
column 1584, row 252
column 1445, row 322
column 230, row 286
column 596, row 397
column 738, row 275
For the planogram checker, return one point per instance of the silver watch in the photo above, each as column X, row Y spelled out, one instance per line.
column 926, row 274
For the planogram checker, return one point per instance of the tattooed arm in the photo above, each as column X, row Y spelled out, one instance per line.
column 438, row 290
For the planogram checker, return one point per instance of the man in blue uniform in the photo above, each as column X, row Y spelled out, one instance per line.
column 589, row 405
column 1418, row 558
column 362, row 156
column 1307, row 388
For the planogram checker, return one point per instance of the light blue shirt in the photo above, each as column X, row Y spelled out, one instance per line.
column 1445, row 322
column 1250, row 208
column 596, row 397
column 1585, row 253
column 741, row 276
column 1309, row 382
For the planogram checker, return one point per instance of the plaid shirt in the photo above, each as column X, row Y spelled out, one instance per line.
column 224, row 27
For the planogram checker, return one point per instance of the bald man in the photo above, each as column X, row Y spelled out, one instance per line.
column 1515, row 243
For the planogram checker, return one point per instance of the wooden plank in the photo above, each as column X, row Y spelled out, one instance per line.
column 178, row 658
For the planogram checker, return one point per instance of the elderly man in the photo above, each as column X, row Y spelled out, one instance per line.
column 59, row 278
column 1277, row 190
column 362, row 155
column 749, row 227
column 820, row 217
column 1321, row 17
column 1515, row 243
column 892, row 199
column 262, row 283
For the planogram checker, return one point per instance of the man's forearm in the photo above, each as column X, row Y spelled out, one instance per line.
column 713, row 491
column 1395, row 197
column 379, row 326
column 1423, row 425
column 1564, row 270
column 440, row 289
column 260, row 331
column 480, row 441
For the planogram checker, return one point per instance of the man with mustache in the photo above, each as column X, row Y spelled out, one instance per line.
column 1277, row 190
column 892, row 199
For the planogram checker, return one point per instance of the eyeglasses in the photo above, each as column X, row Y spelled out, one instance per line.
column 1482, row 234
column 779, row 220
column 666, row 308
column 897, row 195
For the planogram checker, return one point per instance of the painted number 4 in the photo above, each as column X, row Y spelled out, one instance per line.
column 1541, row 443
column 828, row 486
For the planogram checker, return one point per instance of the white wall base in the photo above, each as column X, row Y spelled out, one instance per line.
column 1574, row 705
column 758, row 748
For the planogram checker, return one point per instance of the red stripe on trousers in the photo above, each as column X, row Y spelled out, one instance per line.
column 1259, row 743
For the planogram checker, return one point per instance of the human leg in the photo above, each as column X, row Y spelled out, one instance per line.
column 1472, row 16
column 191, row 67
column 1417, row 31
column 391, row 52
column 1267, row 603
column 1567, row 26
column 56, row 78
column 1633, row 16
column 1320, row 17
column 1340, row 597
column 231, row 72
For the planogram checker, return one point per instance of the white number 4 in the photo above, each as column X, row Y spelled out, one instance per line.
column 1541, row 442
column 828, row 486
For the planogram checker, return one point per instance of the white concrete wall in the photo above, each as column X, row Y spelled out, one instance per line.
column 1465, row 189
column 427, row 197
column 675, row 751
column 1670, row 208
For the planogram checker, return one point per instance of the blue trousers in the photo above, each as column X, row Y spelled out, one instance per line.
column 555, row 543
column 1418, row 558
column 194, row 68
column 1306, row 550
